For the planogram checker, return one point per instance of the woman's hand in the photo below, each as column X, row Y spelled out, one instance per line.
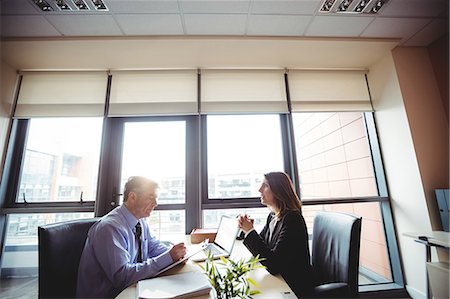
column 245, row 223
column 178, row 251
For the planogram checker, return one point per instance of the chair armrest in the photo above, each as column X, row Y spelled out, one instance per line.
column 332, row 290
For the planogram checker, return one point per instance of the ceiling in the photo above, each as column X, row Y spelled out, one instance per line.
column 411, row 22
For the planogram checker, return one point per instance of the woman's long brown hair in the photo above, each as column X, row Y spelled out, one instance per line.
column 284, row 192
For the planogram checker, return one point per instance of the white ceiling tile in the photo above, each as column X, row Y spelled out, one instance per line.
column 31, row 26
column 85, row 25
column 432, row 31
column 140, row 6
column 18, row 7
column 273, row 25
column 215, row 24
column 414, row 8
column 305, row 7
column 215, row 6
column 150, row 24
column 394, row 27
column 338, row 26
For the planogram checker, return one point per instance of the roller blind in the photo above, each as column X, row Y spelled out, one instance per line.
column 153, row 93
column 243, row 91
column 62, row 94
column 325, row 90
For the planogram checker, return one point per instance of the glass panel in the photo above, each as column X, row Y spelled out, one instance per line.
column 157, row 150
column 241, row 148
column 168, row 225
column 61, row 160
column 211, row 218
column 374, row 264
column 21, row 244
column 333, row 155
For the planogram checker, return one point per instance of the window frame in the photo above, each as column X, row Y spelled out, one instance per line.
column 111, row 164
column 196, row 178
column 241, row 202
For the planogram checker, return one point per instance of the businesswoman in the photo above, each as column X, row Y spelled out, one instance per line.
column 283, row 242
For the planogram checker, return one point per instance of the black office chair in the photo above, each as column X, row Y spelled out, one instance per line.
column 60, row 248
column 335, row 254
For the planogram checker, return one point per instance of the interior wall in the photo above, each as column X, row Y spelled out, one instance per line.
column 402, row 170
column 427, row 120
column 438, row 52
column 8, row 78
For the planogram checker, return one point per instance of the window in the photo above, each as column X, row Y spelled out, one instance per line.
column 168, row 225
column 211, row 218
column 61, row 160
column 208, row 153
column 20, row 256
column 157, row 150
column 241, row 148
column 333, row 155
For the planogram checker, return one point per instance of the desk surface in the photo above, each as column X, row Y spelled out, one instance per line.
column 440, row 238
column 269, row 285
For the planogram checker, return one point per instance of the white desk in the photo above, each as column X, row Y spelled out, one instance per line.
column 270, row 286
column 430, row 239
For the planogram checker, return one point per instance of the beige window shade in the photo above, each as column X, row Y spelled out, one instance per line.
column 62, row 94
column 243, row 91
column 153, row 93
column 317, row 90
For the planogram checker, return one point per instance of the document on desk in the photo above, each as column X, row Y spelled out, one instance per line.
column 177, row 286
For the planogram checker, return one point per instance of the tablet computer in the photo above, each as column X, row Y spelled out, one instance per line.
column 191, row 251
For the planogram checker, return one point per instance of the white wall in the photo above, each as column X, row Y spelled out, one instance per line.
column 402, row 171
column 7, row 87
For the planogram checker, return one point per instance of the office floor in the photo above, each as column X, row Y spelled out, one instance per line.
column 19, row 288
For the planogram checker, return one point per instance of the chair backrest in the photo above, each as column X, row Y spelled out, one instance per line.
column 60, row 248
column 335, row 249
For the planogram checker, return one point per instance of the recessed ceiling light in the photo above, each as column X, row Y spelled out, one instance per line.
column 362, row 4
column 62, row 5
column 377, row 6
column 80, row 4
column 344, row 5
column 352, row 6
column 99, row 5
column 43, row 5
column 327, row 5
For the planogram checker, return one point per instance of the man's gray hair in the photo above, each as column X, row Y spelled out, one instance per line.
column 137, row 184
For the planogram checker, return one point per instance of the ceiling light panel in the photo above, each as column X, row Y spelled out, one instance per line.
column 327, row 5
column 99, row 5
column 352, row 6
column 80, row 4
column 345, row 4
column 43, row 5
column 70, row 6
column 62, row 5
column 361, row 6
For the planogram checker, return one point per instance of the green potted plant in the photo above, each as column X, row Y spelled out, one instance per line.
column 229, row 278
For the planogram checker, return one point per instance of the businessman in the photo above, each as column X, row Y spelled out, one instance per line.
column 120, row 250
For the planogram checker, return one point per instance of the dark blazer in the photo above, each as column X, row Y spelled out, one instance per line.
column 287, row 253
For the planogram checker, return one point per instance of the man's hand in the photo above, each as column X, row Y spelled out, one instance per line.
column 178, row 251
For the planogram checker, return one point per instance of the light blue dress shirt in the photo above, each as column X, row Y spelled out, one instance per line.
column 108, row 262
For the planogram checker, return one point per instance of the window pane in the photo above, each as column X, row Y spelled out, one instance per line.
column 241, row 148
column 374, row 264
column 211, row 218
column 168, row 225
column 333, row 155
column 61, row 160
column 21, row 244
column 157, row 150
